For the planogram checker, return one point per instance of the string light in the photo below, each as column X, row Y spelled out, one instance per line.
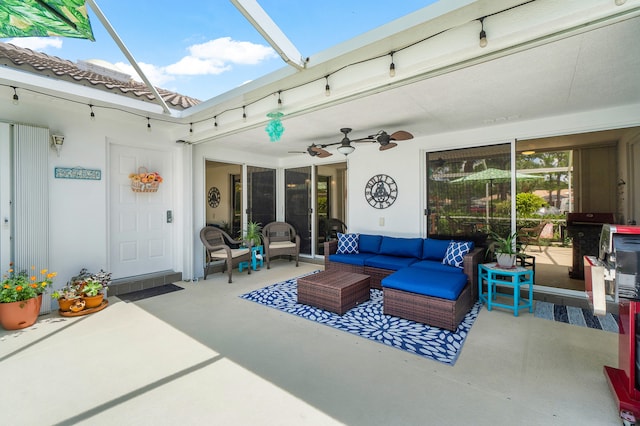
column 190, row 127
column 148, row 125
column 215, row 122
column 16, row 99
column 244, row 114
column 279, row 100
column 92, row 115
column 392, row 67
column 483, row 35
column 327, row 88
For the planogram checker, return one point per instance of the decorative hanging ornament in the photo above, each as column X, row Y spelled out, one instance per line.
column 274, row 128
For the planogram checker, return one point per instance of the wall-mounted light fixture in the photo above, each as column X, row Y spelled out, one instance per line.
column 56, row 143
column 528, row 152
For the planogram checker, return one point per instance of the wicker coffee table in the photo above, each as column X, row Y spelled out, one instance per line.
column 334, row 291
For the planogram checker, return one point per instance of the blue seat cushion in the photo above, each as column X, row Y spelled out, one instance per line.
column 351, row 259
column 369, row 243
column 442, row 284
column 389, row 262
column 435, row 265
column 405, row 247
column 433, row 249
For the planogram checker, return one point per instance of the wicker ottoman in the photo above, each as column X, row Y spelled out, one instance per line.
column 334, row 291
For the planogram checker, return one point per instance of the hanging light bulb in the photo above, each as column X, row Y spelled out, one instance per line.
column 215, row 122
column 92, row 115
column 244, row 114
column 483, row 34
column 190, row 127
column 279, row 100
column 16, row 99
column 327, row 88
column 392, row 67
column 148, row 125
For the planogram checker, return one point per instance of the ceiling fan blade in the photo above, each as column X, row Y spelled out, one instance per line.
column 315, row 150
column 401, row 135
column 388, row 146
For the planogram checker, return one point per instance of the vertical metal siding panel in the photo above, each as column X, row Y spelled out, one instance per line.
column 31, row 198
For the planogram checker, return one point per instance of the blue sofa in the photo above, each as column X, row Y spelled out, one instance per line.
column 416, row 284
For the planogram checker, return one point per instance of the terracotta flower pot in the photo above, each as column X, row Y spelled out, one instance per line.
column 65, row 304
column 93, row 301
column 18, row 315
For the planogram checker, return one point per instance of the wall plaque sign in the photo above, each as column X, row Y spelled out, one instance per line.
column 77, row 173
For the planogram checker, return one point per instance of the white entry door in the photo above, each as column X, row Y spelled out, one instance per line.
column 140, row 233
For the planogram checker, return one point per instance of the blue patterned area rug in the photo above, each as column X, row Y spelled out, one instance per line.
column 575, row 316
column 367, row 320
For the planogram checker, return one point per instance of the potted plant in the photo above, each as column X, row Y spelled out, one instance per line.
column 504, row 248
column 67, row 295
column 21, row 296
column 92, row 287
column 253, row 233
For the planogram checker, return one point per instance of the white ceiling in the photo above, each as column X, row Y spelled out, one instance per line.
column 586, row 71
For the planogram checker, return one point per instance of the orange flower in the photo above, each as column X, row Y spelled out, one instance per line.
column 7, row 286
column 34, row 285
column 33, row 278
column 44, row 271
column 19, row 288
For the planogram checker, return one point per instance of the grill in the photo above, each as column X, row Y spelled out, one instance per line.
column 584, row 229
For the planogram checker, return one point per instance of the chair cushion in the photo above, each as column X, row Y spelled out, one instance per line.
column 442, row 284
column 222, row 254
column 357, row 259
column 347, row 243
column 456, row 252
column 369, row 243
column 433, row 249
column 405, row 247
column 389, row 262
column 281, row 244
column 436, row 265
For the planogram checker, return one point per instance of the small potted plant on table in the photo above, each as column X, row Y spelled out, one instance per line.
column 504, row 249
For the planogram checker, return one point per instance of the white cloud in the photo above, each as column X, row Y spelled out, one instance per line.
column 157, row 75
column 36, row 43
column 191, row 65
column 210, row 58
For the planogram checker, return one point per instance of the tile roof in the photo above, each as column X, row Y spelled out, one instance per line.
column 52, row 66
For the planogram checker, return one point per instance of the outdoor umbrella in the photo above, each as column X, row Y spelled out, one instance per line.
column 44, row 18
column 490, row 175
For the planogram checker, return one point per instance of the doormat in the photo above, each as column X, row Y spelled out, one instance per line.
column 575, row 316
column 134, row 296
column 367, row 320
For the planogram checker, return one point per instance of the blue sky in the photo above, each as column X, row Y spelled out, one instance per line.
column 203, row 48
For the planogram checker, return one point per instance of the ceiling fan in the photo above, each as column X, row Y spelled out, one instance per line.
column 385, row 140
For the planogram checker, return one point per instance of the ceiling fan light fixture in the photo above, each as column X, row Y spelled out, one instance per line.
column 346, row 149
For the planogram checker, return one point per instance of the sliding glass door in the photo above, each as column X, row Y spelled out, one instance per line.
column 298, row 208
column 261, row 191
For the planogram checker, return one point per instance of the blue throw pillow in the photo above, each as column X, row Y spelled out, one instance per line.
column 347, row 244
column 456, row 252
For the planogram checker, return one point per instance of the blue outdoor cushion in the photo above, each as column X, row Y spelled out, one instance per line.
column 456, row 252
column 389, row 262
column 433, row 249
column 351, row 259
column 347, row 243
column 436, row 265
column 369, row 243
column 445, row 285
column 406, row 247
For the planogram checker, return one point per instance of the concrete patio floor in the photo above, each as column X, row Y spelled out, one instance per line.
column 203, row 356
